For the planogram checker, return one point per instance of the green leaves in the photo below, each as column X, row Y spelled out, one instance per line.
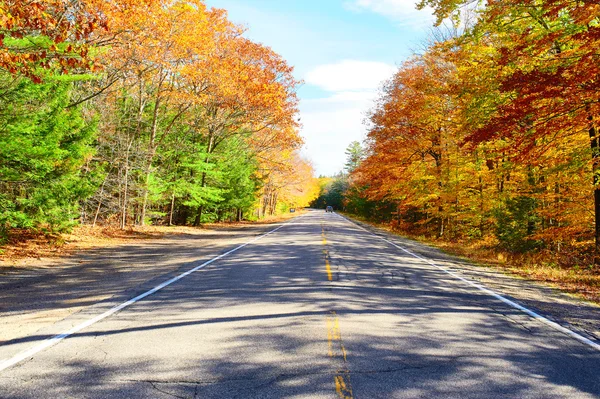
column 42, row 148
column 354, row 156
column 517, row 221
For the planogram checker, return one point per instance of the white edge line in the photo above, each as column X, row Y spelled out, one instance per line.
column 507, row 301
column 19, row 357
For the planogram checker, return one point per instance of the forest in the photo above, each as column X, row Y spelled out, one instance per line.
column 142, row 112
column 489, row 137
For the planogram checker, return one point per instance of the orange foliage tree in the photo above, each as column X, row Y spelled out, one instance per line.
column 189, row 115
column 185, row 72
column 48, row 34
column 515, row 104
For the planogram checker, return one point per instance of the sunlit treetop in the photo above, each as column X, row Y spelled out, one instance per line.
column 43, row 34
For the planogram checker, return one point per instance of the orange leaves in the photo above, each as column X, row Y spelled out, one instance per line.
column 170, row 69
column 521, row 88
column 256, row 79
column 191, row 64
column 409, row 134
column 290, row 180
column 548, row 70
column 208, row 59
column 58, row 21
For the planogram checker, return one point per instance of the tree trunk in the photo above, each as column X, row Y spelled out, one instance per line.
column 97, row 212
column 142, row 220
column 209, row 150
column 438, row 170
column 172, row 209
column 99, row 202
column 264, row 206
column 182, row 215
column 198, row 218
column 125, row 188
column 151, row 149
column 595, row 146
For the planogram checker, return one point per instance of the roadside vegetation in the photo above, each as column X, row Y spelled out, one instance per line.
column 487, row 143
column 141, row 112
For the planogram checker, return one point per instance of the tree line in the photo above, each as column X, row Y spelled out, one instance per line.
column 491, row 133
column 142, row 111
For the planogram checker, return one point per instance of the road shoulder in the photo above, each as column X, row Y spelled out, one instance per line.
column 35, row 297
column 576, row 314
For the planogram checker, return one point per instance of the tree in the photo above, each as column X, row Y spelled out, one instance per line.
column 354, row 156
column 192, row 117
column 412, row 142
column 43, row 146
column 51, row 34
column 547, row 59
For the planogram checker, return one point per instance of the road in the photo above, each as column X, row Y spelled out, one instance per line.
column 316, row 309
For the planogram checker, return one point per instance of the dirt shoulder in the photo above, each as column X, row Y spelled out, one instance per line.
column 26, row 250
column 548, row 300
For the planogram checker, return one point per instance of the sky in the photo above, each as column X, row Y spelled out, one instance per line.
column 343, row 50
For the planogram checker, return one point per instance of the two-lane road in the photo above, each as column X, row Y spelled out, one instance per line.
column 317, row 309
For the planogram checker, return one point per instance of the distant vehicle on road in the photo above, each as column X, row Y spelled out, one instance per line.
column 329, row 208
column 292, row 210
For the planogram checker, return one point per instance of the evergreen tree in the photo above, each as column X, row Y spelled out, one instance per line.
column 43, row 145
column 354, row 156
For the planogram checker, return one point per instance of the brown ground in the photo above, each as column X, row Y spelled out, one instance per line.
column 26, row 249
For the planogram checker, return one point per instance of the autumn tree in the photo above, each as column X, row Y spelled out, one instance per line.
column 491, row 134
column 548, row 68
column 412, row 144
column 48, row 35
column 174, row 114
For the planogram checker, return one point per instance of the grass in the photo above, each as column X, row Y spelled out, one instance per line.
column 562, row 272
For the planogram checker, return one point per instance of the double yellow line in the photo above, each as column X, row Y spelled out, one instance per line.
column 338, row 351
column 334, row 339
column 326, row 253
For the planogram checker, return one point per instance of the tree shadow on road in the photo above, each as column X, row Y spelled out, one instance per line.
column 258, row 325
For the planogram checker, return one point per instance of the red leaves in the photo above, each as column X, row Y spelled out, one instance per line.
column 547, row 71
column 74, row 22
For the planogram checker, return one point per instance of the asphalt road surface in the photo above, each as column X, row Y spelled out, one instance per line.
column 317, row 309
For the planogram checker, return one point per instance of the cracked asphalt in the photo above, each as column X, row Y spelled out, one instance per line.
column 318, row 309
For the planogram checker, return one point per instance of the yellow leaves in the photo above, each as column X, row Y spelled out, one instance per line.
column 292, row 180
column 196, row 58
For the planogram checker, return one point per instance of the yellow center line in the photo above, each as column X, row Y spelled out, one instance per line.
column 328, row 270
column 334, row 339
column 330, row 338
column 337, row 350
column 326, row 253
column 342, row 386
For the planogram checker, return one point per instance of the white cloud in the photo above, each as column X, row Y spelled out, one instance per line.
column 332, row 122
column 402, row 11
column 350, row 75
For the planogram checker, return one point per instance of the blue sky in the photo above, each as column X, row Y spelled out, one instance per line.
column 343, row 50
